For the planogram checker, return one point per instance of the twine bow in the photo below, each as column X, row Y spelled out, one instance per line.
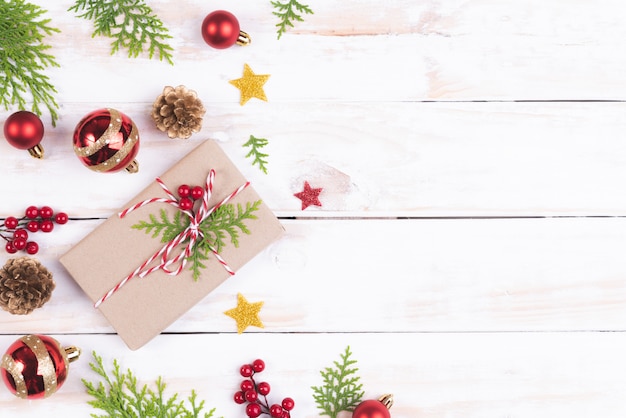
column 191, row 233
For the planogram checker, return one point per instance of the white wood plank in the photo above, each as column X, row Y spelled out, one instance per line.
column 400, row 159
column 402, row 276
column 533, row 375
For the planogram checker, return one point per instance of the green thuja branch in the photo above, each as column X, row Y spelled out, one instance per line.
column 131, row 24
column 288, row 13
column 23, row 57
column 226, row 222
column 341, row 390
column 118, row 395
column 255, row 145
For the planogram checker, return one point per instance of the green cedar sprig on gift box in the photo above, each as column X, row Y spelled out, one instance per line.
column 131, row 24
column 255, row 145
column 23, row 57
column 226, row 220
column 289, row 12
column 341, row 390
column 119, row 396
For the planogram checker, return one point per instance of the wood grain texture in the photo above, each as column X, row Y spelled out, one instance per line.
column 469, row 246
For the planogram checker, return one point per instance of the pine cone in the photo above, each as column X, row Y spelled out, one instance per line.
column 178, row 111
column 25, row 285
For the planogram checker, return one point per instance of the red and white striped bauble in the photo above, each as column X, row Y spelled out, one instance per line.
column 106, row 141
column 35, row 366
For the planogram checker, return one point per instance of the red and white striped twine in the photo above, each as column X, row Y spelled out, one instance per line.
column 192, row 233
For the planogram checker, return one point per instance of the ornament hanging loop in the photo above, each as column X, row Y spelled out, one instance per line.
column 243, row 39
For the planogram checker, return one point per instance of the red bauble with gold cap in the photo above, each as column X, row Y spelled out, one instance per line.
column 35, row 366
column 373, row 408
column 106, row 140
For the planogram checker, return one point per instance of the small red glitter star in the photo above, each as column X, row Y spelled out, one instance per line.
column 309, row 196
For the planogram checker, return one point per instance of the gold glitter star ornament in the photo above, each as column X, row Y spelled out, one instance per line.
column 250, row 85
column 245, row 314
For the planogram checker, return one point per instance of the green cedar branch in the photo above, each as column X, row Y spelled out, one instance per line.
column 118, row 395
column 226, row 222
column 260, row 158
column 289, row 12
column 341, row 390
column 23, row 58
column 130, row 23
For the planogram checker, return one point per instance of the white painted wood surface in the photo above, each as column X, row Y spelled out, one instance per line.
column 470, row 244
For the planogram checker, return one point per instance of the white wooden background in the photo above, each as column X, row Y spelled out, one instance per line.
column 470, row 247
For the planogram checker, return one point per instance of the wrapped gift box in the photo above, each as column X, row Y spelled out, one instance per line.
column 144, row 307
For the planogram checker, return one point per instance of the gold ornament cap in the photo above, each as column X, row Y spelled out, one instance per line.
column 72, row 353
column 36, row 151
column 243, row 39
column 386, row 400
column 133, row 167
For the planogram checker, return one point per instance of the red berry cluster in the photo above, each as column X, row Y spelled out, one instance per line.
column 15, row 231
column 188, row 195
column 256, row 394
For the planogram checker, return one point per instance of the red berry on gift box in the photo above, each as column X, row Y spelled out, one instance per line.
column 276, row 411
column 46, row 212
column 288, row 404
column 258, row 365
column 185, row 203
column 184, row 190
column 264, row 388
column 19, row 243
column 10, row 222
column 32, row 212
column 32, row 226
column 32, row 247
column 253, row 410
column 10, row 248
column 239, row 398
column 20, row 233
column 197, row 193
column 61, row 218
column 46, row 226
column 246, row 370
column 246, row 385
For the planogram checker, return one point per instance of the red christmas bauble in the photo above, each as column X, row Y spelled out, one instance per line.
column 374, row 408
column 35, row 366
column 220, row 29
column 24, row 130
column 106, row 140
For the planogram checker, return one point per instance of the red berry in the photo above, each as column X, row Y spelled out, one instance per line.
column 46, row 212
column 32, row 226
column 32, row 212
column 197, row 193
column 246, row 385
column 264, row 388
column 184, row 190
column 61, row 218
column 251, row 395
column 239, row 398
column 10, row 248
column 185, row 203
column 288, row 404
column 246, row 370
column 46, row 226
column 19, row 243
column 32, row 247
column 286, row 414
column 10, row 222
column 20, row 233
column 253, row 410
column 276, row 411
column 258, row 365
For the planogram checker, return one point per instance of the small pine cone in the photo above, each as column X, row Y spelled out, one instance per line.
column 25, row 285
column 178, row 111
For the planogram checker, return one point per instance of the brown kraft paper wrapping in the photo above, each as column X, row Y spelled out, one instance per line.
column 144, row 307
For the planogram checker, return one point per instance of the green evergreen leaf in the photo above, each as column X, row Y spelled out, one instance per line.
column 341, row 390
column 255, row 145
column 169, row 229
column 130, row 23
column 23, row 58
column 288, row 13
column 119, row 396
